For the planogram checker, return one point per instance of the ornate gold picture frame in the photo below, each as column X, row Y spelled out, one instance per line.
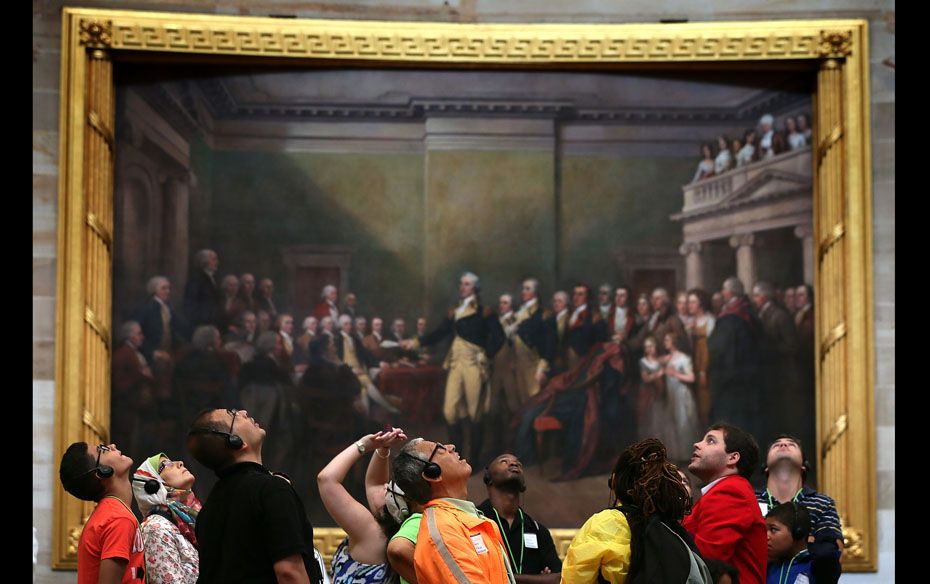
column 836, row 50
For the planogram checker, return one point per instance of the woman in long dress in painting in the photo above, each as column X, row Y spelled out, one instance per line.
column 680, row 408
column 701, row 325
column 651, row 407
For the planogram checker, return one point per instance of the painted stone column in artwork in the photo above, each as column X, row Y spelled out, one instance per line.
column 745, row 258
column 694, row 267
column 806, row 234
column 174, row 248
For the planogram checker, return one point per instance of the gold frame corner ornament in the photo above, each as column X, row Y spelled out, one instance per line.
column 835, row 43
column 96, row 34
column 835, row 51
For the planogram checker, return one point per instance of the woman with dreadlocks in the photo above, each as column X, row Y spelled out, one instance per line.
column 638, row 539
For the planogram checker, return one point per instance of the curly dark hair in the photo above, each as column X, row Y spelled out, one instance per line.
column 643, row 477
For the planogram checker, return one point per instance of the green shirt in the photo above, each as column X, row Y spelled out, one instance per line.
column 408, row 530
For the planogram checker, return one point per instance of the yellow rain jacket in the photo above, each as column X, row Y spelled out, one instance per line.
column 602, row 545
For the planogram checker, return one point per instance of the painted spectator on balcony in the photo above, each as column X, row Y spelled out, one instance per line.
column 793, row 137
column 724, row 160
column 748, row 153
column 705, row 168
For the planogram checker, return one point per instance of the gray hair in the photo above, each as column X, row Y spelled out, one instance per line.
column 509, row 297
column 407, row 470
column 154, row 282
column 473, row 278
column 308, row 320
column 202, row 257
column 126, row 330
column 764, row 289
column 768, row 119
column 561, row 295
column 534, row 283
column 326, row 290
column 605, row 288
column 734, row 285
column 344, row 318
column 662, row 292
column 229, row 278
column 205, row 337
column 266, row 342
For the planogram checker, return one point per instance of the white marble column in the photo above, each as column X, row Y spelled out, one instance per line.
column 694, row 267
column 745, row 258
column 806, row 234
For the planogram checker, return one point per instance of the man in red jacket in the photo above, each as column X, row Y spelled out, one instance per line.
column 726, row 523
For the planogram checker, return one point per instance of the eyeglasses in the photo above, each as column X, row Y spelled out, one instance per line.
column 436, row 448
column 167, row 464
column 101, row 448
column 233, row 413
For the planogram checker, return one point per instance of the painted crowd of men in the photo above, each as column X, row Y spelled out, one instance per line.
column 752, row 356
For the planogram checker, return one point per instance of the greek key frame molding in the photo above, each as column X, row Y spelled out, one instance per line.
column 836, row 51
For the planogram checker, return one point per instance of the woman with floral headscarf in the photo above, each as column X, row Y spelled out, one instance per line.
column 170, row 516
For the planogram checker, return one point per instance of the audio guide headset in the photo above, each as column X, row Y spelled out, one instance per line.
column 796, row 531
column 233, row 441
column 151, row 485
column 103, row 471
column 431, row 470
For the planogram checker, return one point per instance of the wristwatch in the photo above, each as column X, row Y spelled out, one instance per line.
column 361, row 447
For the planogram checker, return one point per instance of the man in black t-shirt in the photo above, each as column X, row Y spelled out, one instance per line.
column 528, row 543
column 253, row 528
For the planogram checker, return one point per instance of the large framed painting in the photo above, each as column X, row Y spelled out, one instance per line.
column 240, row 195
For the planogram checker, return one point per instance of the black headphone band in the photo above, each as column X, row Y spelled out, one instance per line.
column 431, row 470
column 103, row 471
column 796, row 528
column 232, row 440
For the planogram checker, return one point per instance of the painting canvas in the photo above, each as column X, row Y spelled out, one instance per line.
column 377, row 189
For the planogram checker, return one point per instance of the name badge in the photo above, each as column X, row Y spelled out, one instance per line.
column 530, row 541
column 764, row 507
column 478, row 543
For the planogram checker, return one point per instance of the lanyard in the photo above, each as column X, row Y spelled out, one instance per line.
column 782, row 571
column 772, row 501
column 518, row 567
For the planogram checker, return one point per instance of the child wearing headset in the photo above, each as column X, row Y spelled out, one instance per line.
column 788, row 526
column 110, row 548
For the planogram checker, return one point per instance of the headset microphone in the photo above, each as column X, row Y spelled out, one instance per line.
column 151, row 485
